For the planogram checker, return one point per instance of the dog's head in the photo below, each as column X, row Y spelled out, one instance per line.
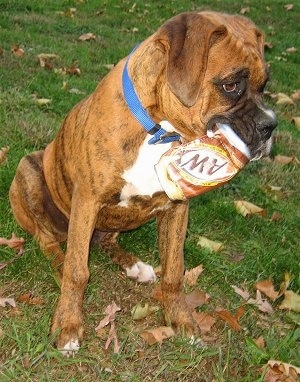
column 212, row 70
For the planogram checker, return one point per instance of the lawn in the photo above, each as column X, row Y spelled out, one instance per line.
column 36, row 94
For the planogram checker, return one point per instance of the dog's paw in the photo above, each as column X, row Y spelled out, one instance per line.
column 141, row 272
column 70, row 348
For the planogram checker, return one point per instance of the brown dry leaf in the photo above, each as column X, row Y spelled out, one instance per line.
column 196, row 298
column 296, row 122
column 3, row 154
column 243, row 293
column 276, row 217
column 191, row 276
column 247, row 209
column 30, row 299
column 263, row 305
column 17, row 51
column 212, row 246
column 283, row 99
column 260, row 342
column 46, row 58
column 284, row 160
column 291, row 301
column 110, row 315
column 73, row 70
column 157, row 335
column 268, row 45
column 279, row 371
column 230, row 319
column 2, row 51
column 296, row 95
column 110, row 312
column 289, row 7
column 267, row 288
column 8, row 301
column 140, row 311
column 87, row 37
column 14, row 242
column 244, row 10
column 204, row 320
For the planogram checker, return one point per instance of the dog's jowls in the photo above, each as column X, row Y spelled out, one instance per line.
column 97, row 177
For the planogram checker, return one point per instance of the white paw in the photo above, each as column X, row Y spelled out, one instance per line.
column 141, row 272
column 70, row 348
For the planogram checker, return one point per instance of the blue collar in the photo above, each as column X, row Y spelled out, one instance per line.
column 159, row 134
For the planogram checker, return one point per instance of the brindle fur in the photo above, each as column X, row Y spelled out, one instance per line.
column 71, row 190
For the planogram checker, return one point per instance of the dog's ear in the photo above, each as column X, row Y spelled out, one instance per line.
column 187, row 39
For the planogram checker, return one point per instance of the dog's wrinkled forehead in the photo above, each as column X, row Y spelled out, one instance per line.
column 188, row 39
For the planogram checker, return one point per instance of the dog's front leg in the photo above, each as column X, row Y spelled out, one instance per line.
column 172, row 225
column 67, row 319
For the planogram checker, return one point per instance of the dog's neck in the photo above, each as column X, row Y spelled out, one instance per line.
column 162, row 132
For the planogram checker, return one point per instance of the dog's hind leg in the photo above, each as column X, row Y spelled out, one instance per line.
column 34, row 210
column 132, row 265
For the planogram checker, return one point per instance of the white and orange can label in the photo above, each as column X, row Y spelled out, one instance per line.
column 199, row 166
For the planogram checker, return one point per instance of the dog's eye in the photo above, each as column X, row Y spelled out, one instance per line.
column 231, row 87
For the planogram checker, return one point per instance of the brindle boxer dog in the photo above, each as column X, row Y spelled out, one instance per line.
column 97, row 177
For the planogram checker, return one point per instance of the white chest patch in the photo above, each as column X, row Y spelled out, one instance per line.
column 141, row 178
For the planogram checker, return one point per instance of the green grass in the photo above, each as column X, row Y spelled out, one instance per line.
column 268, row 249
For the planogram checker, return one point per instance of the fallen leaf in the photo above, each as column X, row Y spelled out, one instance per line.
column 291, row 50
column 289, row 7
column 267, row 288
column 263, row 305
column 280, row 371
column 246, row 208
column 284, row 160
column 140, row 311
column 110, row 315
column 285, row 283
column 157, row 335
column 191, row 276
column 212, row 246
column 268, row 45
column 73, row 70
column 296, row 96
column 3, row 154
column 108, row 66
column 291, row 301
column 87, row 37
column 243, row 293
column 232, row 320
column 260, row 342
column 30, row 299
column 244, row 10
column 204, row 320
column 14, row 242
column 283, row 99
column 17, row 51
column 296, row 122
column 45, row 58
column 42, row 101
column 8, row 301
column 196, row 298
column 276, row 217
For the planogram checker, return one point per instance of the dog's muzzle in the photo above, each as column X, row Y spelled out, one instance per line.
column 265, row 121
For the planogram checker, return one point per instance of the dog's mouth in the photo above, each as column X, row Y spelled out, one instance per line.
column 255, row 131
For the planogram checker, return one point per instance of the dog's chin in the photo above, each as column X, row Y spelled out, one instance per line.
column 262, row 151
